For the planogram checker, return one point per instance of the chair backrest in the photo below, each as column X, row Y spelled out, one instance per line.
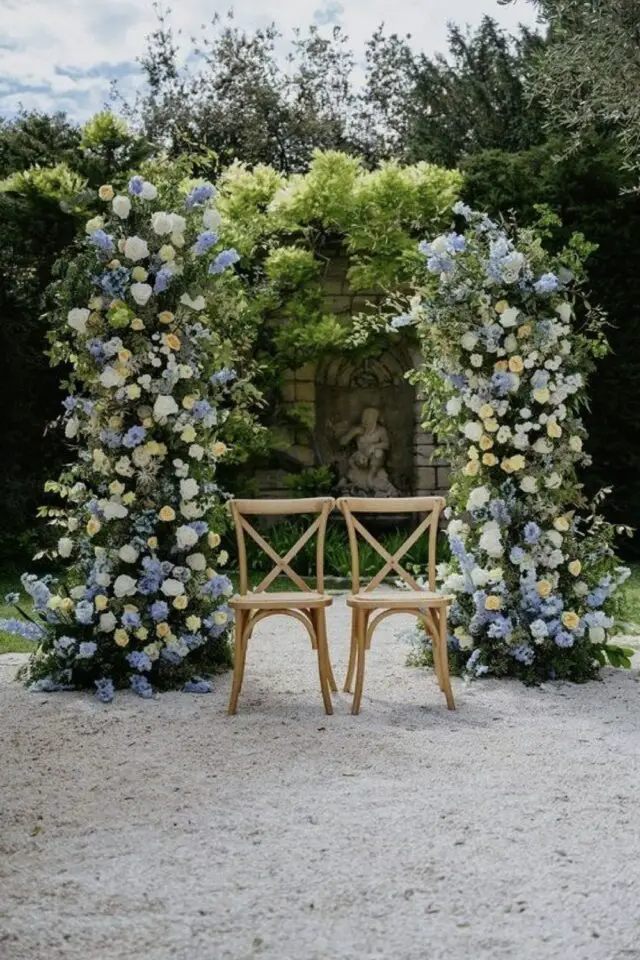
column 431, row 506
column 241, row 509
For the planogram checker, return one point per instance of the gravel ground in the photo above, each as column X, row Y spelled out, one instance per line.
column 165, row 829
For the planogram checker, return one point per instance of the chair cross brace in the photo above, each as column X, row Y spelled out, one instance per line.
column 281, row 563
column 392, row 561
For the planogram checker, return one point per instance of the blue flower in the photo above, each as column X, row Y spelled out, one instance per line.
column 162, row 281
column 131, row 620
column 105, row 691
column 501, row 628
column 524, row 654
column 226, row 375
column 134, row 437
column 159, row 610
column 139, row 660
column 115, row 282
column 199, row 195
column 564, row 639
column 102, row 241
column 96, row 349
column 136, row 186
column 11, row 599
column 226, row 258
column 141, row 686
column 516, row 554
column 440, row 263
column 111, row 439
column 48, row 685
column 547, row 283
column 462, row 210
column 404, row 320
column 531, row 532
column 200, row 409
column 84, row 612
column 197, row 686
column 204, row 242
column 86, row 650
column 200, row 527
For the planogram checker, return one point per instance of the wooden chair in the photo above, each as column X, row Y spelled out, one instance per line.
column 369, row 608
column 308, row 606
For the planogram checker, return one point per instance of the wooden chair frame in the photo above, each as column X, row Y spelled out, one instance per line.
column 368, row 611
column 308, row 606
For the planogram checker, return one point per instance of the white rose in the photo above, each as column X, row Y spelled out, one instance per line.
column 529, row 485
column 165, row 406
column 581, row 589
column 503, row 434
column 521, row 441
column 596, row 634
column 110, row 378
column 469, row 340
column 196, row 452
column 476, row 360
column 141, row 457
column 71, row 428
column 186, row 537
column 454, row 406
column 77, row 318
column 135, row 248
column 178, row 223
column 198, row 304
column 161, row 223
column 191, row 510
column 189, row 489
column 107, row 622
column 458, row 528
column 211, row 219
column 479, row 577
column 197, row 561
column 473, row 430
column 96, row 223
column 177, row 239
column 140, row 292
column 124, row 468
column 148, row 192
column 77, row 593
column 478, row 498
column 65, row 546
column 440, row 244
column 103, row 579
column 564, row 311
column 172, row 588
column 125, row 586
column 553, row 481
column 555, row 558
column 114, row 511
column 490, row 540
column 555, row 537
column 510, row 343
column 128, row 553
column 542, row 446
column 121, row 207
column 510, row 317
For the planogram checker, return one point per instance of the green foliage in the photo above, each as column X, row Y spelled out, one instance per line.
column 312, row 482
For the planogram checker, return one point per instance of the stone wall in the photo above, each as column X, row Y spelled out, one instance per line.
column 336, row 385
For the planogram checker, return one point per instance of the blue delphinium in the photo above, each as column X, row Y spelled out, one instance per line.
column 136, row 186
column 200, row 195
column 162, row 280
column 21, row 628
column 226, row 258
column 111, row 439
column 204, row 242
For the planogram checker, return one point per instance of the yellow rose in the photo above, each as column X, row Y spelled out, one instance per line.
column 501, row 366
column 218, row 449
column 181, row 602
column 166, row 317
column 152, row 543
column 524, row 331
column 471, row 468
column 472, row 453
column 129, row 498
column 561, row 524
column 139, row 274
column 188, row 435
column 116, row 488
column 133, row 391
column 172, row 341
column 575, row 568
column 541, row 395
column 220, row 618
column 489, row 459
column 93, row 526
column 113, row 264
column 491, row 425
column 137, row 324
column 106, row 192
column 142, row 633
column 570, row 619
column 517, row 462
column 516, row 364
column 213, row 540
column 544, row 588
column 193, row 623
column 554, row 429
column 121, row 638
column 189, row 401
column 163, row 629
column 492, row 602
column 167, row 514
column 485, row 411
column 67, row 605
column 101, row 602
column 153, row 447
column 575, row 444
column 210, row 572
column 147, row 423
column 167, row 252
column 485, row 442
column 501, row 306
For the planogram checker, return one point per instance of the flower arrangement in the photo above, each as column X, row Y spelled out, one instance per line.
column 506, row 360
column 142, row 599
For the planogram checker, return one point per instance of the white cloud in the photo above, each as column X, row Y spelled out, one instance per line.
column 62, row 54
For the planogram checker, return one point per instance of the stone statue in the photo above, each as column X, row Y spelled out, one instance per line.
column 364, row 472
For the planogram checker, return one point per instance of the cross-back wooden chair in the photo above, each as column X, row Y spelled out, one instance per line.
column 370, row 606
column 308, row 606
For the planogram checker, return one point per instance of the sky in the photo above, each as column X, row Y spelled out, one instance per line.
column 62, row 54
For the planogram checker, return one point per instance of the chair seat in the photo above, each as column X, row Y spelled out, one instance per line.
column 398, row 599
column 280, row 601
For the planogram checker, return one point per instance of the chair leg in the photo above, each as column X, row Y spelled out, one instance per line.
column 324, row 666
column 445, row 681
column 353, row 654
column 240, row 654
column 361, row 641
column 332, row 679
column 435, row 644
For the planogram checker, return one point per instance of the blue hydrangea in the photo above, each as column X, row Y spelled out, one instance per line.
column 111, row 439
column 201, row 409
column 224, row 376
column 501, row 628
column 564, row 639
column 105, row 691
column 548, row 283
column 131, row 620
column 136, row 186
column 226, row 258
column 159, row 610
column 102, row 241
column 84, row 612
column 204, row 242
column 86, row 649
column 197, row 686
column 134, row 437
column 141, row 686
column 531, row 532
column 200, row 195
column 115, row 282
column 49, row 685
column 162, row 281
column 139, row 660
column 216, row 587
column 524, row 654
